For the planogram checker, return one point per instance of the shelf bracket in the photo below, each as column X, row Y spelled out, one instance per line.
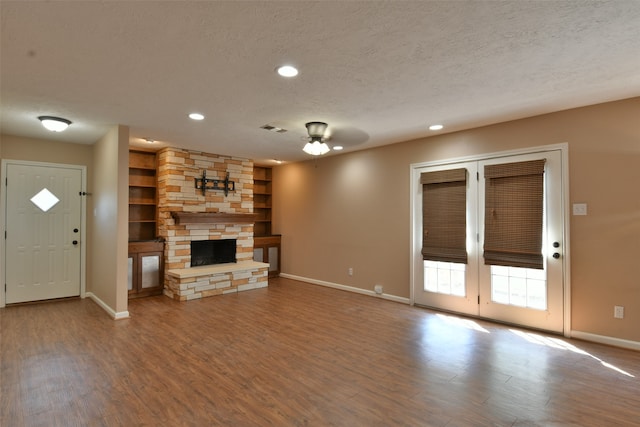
column 205, row 184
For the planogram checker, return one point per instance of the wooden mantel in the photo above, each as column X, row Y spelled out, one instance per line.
column 213, row 218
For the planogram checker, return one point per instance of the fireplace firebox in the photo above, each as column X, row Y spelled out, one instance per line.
column 209, row 252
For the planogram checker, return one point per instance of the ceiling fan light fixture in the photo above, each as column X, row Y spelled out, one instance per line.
column 54, row 124
column 316, row 148
column 316, row 145
column 316, row 129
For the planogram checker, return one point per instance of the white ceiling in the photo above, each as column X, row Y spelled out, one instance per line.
column 377, row 72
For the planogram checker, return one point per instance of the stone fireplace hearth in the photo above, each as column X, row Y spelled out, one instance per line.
column 186, row 215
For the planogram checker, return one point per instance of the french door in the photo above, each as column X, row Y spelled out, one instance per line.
column 43, row 231
column 531, row 297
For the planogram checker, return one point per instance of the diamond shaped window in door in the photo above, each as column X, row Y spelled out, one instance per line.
column 45, row 200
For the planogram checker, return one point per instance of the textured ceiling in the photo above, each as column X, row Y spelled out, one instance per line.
column 377, row 72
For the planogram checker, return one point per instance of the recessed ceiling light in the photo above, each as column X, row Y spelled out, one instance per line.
column 338, row 147
column 435, row 127
column 287, row 71
column 196, row 116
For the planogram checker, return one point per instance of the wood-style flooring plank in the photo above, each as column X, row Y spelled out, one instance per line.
column 295, row 354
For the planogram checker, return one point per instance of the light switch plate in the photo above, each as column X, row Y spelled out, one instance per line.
column 579, row 208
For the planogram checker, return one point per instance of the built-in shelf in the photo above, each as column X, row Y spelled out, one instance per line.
column 142, row 196
column 262, row 200
column 266, row 246
column 213, row 218
column 146, row 251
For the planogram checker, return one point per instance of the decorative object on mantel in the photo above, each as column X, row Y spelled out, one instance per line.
column 205, row 184
column 213, row 218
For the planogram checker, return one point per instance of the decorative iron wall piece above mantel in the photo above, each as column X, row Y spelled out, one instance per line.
column 205, row 184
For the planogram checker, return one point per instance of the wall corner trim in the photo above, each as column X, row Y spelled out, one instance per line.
column 115, row 315
column 346, row 288
column 602, row 339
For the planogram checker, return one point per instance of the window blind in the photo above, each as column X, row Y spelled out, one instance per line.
column 444, row 215
column 513, row 214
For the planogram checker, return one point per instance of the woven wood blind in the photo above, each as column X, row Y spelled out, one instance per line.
column 444, row 215
column 513, row 214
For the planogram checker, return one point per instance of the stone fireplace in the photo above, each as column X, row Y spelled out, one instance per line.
column 186, row 215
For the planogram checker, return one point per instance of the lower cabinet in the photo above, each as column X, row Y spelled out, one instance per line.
column 267, row 249
column 146, row 268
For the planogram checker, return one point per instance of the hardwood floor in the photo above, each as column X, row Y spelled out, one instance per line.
column 296, row 354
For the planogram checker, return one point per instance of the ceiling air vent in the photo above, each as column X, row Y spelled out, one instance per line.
column 273, row 128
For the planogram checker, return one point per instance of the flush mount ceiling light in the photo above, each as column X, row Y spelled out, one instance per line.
column 287, row 71
column 316, row 145
column 54, row 124
column 196, row 116
column 435, row 127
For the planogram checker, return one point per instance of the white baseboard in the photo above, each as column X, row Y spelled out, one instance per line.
column 346, row 288
column 115, row 315
column 602, row 339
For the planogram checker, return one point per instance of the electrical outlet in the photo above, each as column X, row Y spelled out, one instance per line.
column 378, row 289
column 618, row 312
column 350, row 271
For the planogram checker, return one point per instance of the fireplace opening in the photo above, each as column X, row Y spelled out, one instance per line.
column 209, row 252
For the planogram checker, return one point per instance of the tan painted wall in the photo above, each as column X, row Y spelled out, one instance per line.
column 40, row 150
column 353, row 210
column 110, row 216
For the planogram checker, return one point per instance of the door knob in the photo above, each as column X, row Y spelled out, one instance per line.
column 75, row 242
column 556, row 255
column 75, row 230
column 556, row 244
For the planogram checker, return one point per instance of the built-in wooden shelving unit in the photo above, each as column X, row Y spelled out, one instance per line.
column 146, row 259
column 266, row 246
column 142, row 196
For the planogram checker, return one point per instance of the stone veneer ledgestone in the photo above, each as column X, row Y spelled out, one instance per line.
column 177, row 171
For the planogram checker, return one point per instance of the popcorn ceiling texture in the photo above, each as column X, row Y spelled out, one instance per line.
column 177, row 170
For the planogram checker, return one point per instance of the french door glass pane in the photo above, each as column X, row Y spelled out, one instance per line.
column 445, row 278
column 522, row 287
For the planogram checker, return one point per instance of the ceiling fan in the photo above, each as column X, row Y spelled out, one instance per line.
column 316, row 145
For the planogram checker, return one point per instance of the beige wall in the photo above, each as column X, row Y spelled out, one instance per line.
column 39, row 150
column 110, row 212
column 352, row 210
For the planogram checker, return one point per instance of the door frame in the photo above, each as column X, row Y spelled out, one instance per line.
column 3, row 218
column 416, row 244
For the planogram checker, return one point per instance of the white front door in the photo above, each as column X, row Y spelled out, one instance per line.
column 523, row 296
column 43, row 232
